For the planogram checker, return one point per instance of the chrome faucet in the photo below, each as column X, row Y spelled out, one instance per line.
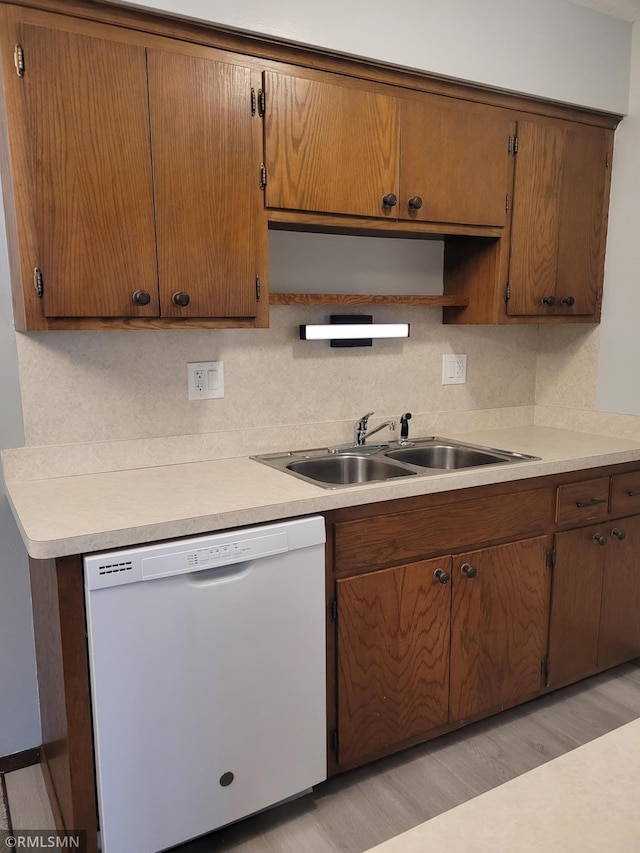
column 361, row 433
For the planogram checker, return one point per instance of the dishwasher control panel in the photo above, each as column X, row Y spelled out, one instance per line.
column 182, row 556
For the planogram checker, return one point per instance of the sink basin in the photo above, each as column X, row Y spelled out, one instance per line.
column 446, row 456
column 353, row 465
column 348, row 469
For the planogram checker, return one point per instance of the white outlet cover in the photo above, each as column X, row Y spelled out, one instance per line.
column 205, row 380
column 454, row 369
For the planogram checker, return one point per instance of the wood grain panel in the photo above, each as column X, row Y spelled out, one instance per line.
column 584, row 206
column 499, row 626
column 575, row 605
column 330, row 148
column 393, row 653
column 405, row 536
column 63, row 683
column 582, row 502
column 86, row 105
column 534, row 236
column 454, row 155
column 625, row 493
column 619, row 639
column 206, row 177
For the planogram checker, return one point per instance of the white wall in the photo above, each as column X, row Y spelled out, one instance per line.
column 618, row 388
column 19, row 720
column 550, row 48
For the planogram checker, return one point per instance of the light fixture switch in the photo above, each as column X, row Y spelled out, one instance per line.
column 205, row 380
column 454, row 369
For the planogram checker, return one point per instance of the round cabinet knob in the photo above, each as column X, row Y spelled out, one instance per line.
column 415, row 203
column 181, row 299
column 567, row 301
column 468, row 570
column 142, row 297
column 599, row 539
column 441, row 576
column 548, row 301
column 389, row 200
column 618, row 534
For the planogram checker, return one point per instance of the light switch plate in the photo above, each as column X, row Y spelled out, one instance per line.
column 454, row 369
column 205, row 380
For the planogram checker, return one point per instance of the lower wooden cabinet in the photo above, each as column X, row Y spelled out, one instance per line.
column 595, row 611
column 393, row 656
column 436, row 642
column 499, row 626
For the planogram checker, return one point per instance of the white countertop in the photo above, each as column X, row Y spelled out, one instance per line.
column 91, row 512
column 582, row 802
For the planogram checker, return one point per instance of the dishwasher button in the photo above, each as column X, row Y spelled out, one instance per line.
column 202, row 556
column 225, row 550
column 214, row 553
column 236, row 549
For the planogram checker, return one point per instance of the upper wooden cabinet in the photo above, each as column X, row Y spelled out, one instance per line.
column 135, row 164
column 560, row 197
column 89, row 173
column 338, row 146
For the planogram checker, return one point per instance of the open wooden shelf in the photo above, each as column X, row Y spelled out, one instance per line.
column 349, row 299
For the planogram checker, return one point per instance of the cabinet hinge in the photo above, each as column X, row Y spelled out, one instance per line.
column 263, row 176
column 507, row 292
column 551, row 558
column 333, row 610
column 18, row 59
column 512, row 147
column 38, row 282
column 607, row 161
column 253, row 101
column 262, row 102
column 544, row 671
column 333, row 739
column 598, row 294
column 506, row 202
column 258, row 288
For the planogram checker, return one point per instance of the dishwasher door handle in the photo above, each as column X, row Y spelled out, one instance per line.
column 220, row 574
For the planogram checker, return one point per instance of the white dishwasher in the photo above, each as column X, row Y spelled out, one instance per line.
column 207, row 664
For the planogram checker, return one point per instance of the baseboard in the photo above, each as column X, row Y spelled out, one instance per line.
column 9, row 763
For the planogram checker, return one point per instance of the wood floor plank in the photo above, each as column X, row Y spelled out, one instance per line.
column 28, row 800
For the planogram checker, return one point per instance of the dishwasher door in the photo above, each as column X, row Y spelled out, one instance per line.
column 207, row 665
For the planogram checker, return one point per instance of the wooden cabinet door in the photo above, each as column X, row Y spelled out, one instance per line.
column 330, row 147
column 619, row 638
column 393, row 657
column 206, row 177
column 86, row 102
column 583, row 211
column 535, row 222
column 499, row 625
column 455, row 159
column 575, row 604
column 560, row 199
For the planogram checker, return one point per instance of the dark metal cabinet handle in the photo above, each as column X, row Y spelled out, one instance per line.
column 548, row 301
column 468, row 570
column 599, row 539
column 389, row 200
column 414, row 203
column 618, row 534
column 567, row 301
column 441, row 576
column 181, row 299
column 594, row 502
column 634, row 493
column 142, row 297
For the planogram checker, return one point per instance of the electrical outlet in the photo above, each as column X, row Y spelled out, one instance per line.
column 205, row 380
column 454, row 369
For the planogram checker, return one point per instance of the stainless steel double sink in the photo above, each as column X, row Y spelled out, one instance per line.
column 354, row 465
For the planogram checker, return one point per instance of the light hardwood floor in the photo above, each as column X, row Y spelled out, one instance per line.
column 364, row 807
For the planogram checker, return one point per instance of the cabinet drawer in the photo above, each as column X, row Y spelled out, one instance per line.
column 383, row 540
column 585, row 501
column 625, row 493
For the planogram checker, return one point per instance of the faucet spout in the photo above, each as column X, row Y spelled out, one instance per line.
column 361, row 433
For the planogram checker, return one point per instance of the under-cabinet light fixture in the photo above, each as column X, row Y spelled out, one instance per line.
column 352, row 331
